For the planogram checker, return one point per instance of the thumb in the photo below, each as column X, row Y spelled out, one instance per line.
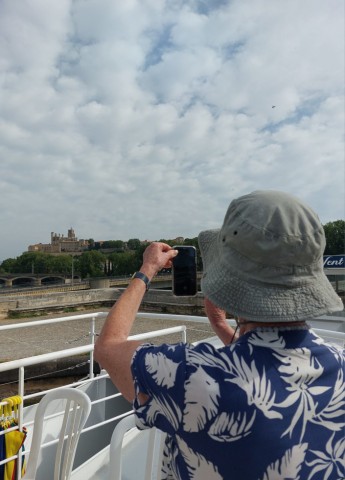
column 172, row 254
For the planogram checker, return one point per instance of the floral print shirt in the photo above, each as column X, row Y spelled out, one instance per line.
column 269, row 407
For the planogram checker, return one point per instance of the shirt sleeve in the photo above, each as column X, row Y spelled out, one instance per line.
column 160, row 372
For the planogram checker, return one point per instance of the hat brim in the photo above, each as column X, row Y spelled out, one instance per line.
column 244, row 297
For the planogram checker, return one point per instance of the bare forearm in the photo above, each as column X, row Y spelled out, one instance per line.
column 113, row 351
column 120, row 319
column 218, row 321
column 224, row 332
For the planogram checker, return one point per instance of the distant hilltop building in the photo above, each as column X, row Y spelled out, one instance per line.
column 61, row 244
column 179, row 241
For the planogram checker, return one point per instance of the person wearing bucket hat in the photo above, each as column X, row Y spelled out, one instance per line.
column 265, row 263
column 270, row 403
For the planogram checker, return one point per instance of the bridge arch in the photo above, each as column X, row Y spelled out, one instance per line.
column 23, row 281
column 36, row 280
column 52, row 279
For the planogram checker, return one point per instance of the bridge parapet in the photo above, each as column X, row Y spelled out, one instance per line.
column 34, row 279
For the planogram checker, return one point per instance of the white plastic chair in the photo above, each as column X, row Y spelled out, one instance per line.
column 154, row 448
column 77, row 410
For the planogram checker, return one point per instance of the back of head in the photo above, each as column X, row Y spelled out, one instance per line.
column 265, row 263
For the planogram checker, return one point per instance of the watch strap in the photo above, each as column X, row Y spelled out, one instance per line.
column 142, row 277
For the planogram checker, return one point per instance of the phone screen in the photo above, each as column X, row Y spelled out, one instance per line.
column 184, row 272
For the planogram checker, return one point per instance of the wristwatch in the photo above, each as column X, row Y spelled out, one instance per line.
column 142, row 277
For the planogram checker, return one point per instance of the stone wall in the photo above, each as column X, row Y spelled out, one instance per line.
column 154, row 300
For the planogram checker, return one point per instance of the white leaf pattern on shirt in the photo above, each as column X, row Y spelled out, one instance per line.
column 162, row 369
column 202, row 393
column 300, row 370
column 289, row 465
column 198, row 466
column 226, row 428
column 165, row 405
column 267, row 339
column 207, row 359
column 257, row 387
column 329, row 459
column 335, row 408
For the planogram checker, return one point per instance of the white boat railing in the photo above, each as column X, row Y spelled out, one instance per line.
column 38, row 323
column 21, row 364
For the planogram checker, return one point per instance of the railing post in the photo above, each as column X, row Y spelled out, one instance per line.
column 92, row 341
column 21, row 457
column 184, row 334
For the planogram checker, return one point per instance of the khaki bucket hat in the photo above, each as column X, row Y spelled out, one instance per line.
column 265, row 263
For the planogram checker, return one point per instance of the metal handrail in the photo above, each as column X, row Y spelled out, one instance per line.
column 20, row 364
column 46, row 357
column 36, row 323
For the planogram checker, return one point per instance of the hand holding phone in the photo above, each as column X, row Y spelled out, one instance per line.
column 184, row 271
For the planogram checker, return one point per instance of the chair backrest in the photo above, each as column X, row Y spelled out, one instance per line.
column 76, row 412
column 152, row 462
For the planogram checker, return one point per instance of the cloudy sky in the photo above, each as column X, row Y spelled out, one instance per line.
column 144, row 118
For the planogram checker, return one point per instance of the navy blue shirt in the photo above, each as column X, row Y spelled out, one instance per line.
column 269, row 407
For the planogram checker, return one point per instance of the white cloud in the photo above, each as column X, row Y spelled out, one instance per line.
column 144, row 118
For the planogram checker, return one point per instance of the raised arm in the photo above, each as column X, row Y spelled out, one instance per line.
column 113, row 350
column 219, row 324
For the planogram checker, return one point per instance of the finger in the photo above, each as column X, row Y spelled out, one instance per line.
column 169, row 264
column 170, row 254
column 165, row 247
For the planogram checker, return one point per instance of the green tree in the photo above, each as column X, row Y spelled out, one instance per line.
column 62, row 264
column 118, row 244
column 168, row 242
column 8, row 265
column 335, row 237
column 91, row 264
column 34, row 262
column 39, row 262
column 134, row 243
column 124, row 263
column 91, row 243
column 138, row 256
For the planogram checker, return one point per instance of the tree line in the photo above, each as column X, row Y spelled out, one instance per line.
column 92, row 263
column 126, row 257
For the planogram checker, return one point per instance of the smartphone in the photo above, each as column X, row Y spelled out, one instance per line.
column 184, row 272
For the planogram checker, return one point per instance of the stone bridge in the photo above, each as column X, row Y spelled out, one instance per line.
column 34, row 279
column 39, row 280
